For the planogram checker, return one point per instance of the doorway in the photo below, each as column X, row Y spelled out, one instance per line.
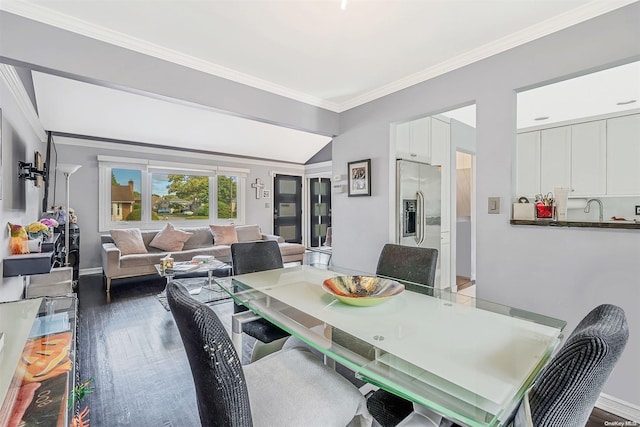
column 320, row 211
column 465, row 226
column 287, row 207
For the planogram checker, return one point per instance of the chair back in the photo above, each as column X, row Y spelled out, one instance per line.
column 411, row 263
column 249, row 257
column 566, row 391
column 223, row 398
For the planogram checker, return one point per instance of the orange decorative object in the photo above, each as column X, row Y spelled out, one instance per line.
column 45, row 357
column 18, row 243
column 81, row 419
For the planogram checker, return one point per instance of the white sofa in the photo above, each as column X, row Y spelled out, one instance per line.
column 118, row 266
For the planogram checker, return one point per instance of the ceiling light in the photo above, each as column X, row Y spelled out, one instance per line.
column 541, row 118
column 343, row 5
column 631, row 101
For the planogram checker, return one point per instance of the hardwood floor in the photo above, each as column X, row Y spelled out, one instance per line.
column 133, row 351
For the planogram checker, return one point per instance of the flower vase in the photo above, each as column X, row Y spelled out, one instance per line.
column 35, row 245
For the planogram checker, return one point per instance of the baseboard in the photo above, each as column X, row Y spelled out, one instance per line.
column 88, row 271
column 619, row 407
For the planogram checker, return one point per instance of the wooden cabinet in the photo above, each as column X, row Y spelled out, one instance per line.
column 623, row 155
column 589, row 158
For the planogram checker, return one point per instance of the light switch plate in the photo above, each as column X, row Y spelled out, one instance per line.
column 494, row 205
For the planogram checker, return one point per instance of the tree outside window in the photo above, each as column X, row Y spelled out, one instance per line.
column 227, row 197
column 179, row 197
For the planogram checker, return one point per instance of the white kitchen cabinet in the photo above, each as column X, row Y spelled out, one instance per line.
column 594, row 158
column 441, row 155
column 403, row 140
column 444, row 280
column 555, row 158
column 413, row 140
column 589, row 158
column 528, row 164
column 623, row 155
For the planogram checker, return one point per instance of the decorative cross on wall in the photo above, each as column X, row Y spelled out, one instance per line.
column 258, row 186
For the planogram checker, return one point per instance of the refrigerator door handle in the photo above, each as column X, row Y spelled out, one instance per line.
column 419, row 218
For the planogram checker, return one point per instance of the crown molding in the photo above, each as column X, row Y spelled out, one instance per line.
column 13, row 82
column 557, row 23
column 560, row 22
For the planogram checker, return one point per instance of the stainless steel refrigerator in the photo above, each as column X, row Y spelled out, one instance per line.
column 419, row 201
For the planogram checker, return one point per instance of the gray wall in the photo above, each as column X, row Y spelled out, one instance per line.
column 21, row 200
column 84, row 188
column 558, row 272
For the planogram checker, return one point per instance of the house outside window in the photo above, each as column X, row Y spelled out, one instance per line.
column 125, row 194
column 146, row 194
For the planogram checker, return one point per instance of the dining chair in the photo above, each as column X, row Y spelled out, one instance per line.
column 566, row 390
column 413, row 264
column 410, row 263
column 287, row 388
column 251, row 257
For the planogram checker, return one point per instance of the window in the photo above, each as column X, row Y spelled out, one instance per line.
column 145, row 194
column 227, row 197
column 125, row 194
column 179, row 197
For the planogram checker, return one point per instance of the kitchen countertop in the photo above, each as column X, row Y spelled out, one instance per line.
column 633, row 225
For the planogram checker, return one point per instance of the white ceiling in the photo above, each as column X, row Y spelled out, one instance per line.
column 312, row 51
column 92, row 110
column 585, row 96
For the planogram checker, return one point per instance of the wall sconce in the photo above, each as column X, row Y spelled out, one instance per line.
column 28, row 171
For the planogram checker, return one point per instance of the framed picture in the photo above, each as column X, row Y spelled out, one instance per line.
column 359, row 178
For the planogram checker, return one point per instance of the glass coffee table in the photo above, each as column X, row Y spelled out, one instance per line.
column 199, row 281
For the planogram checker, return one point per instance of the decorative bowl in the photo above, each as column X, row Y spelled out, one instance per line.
column 363, row 291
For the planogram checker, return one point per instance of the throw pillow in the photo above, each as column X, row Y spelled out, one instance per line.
column 129, row 241
column 248, row 233
column 224, row 234
column 170, row 239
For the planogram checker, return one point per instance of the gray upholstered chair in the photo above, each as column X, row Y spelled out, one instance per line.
column 410, row 263
column 413, row 264
column 287, row 388
column 566, row 391
column 250, row 257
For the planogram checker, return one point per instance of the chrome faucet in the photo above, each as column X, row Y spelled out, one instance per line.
column 587, row 208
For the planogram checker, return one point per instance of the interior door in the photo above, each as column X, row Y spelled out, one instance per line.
column 320, row 209
column 287, row 208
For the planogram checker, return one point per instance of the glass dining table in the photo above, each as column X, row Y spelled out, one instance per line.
column 466, row 359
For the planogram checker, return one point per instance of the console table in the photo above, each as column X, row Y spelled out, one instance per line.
column 37, row 373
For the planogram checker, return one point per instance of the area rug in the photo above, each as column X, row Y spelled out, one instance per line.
column 199, row 289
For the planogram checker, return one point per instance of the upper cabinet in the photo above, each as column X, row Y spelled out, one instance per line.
column 594, row 158
column 528, row 163
column 413, row 140
column 623, row 155
column 589, row 158
column 555, row 158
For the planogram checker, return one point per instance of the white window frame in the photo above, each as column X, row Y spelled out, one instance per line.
column 149, row 167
